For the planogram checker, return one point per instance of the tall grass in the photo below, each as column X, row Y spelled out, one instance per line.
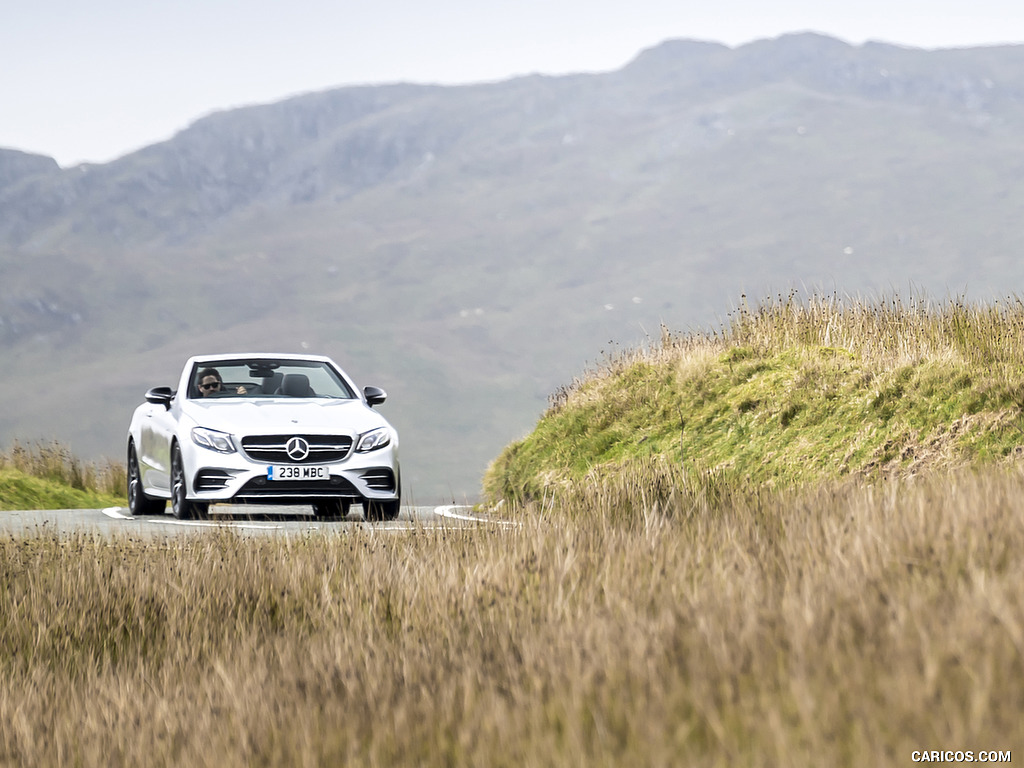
column 838, row 625
column 54, row 463
column 888, row 331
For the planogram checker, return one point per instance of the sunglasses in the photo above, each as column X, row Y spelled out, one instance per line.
column 215, row 385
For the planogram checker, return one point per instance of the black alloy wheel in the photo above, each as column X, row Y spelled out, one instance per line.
column 182, row 508
column 138, row 502
column 381, row 511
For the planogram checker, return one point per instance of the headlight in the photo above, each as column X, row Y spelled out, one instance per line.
column 212, row 439
column 373, row 440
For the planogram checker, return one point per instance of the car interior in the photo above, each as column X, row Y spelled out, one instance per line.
column 263, row 379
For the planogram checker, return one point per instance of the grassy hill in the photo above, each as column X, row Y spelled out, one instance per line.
column 789, row 393
column 49, row 476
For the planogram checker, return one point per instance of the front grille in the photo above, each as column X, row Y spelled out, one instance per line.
column 382, row 479
column 260, row 488
column 322, row 448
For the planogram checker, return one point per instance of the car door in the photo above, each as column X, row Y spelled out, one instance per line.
column 155, row 432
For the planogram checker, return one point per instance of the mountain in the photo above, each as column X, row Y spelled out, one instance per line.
column 471, row 248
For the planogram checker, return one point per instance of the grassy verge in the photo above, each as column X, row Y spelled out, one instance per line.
column 792, row 392
column 845, row 625
column 49, row 476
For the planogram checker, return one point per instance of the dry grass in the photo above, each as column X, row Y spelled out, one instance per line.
column 846, row 625
column 55, row 462
column 888, row 331
column 885, row 332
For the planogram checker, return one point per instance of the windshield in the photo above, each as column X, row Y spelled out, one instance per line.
column 267, row 378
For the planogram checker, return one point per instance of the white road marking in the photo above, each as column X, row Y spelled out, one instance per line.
column 221, row 524
column 448, row 511
column 115, row 513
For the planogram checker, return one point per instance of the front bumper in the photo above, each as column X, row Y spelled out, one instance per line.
column 235, row 478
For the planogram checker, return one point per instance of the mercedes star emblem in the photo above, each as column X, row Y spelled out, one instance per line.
column 297, row 449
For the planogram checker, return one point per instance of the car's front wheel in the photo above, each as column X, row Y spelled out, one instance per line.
column 138, row 502
column 182, row 508
column 380, row 511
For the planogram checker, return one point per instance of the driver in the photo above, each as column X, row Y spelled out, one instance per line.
column 210, row 383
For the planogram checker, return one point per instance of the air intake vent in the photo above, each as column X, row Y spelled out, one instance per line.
column 380, row 479
column 212, row 479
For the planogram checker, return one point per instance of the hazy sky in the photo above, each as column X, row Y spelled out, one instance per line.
column 91, row 81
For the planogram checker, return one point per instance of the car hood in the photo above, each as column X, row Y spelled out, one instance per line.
column 273, row 417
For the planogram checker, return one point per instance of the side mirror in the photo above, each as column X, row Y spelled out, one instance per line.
column 374, row 395
column 160, row 396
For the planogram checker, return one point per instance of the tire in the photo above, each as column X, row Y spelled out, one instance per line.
column 381, row 511
column 332, row 508
column 138, row 502
column 182, row 508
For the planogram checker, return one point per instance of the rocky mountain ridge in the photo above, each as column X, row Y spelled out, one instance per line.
column 339, row 142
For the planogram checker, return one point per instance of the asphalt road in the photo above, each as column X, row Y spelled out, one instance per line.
column 262, row 520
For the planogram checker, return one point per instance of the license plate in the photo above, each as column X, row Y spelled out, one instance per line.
column 295, row 472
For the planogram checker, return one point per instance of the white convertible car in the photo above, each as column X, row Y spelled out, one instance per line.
column 263, row 429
